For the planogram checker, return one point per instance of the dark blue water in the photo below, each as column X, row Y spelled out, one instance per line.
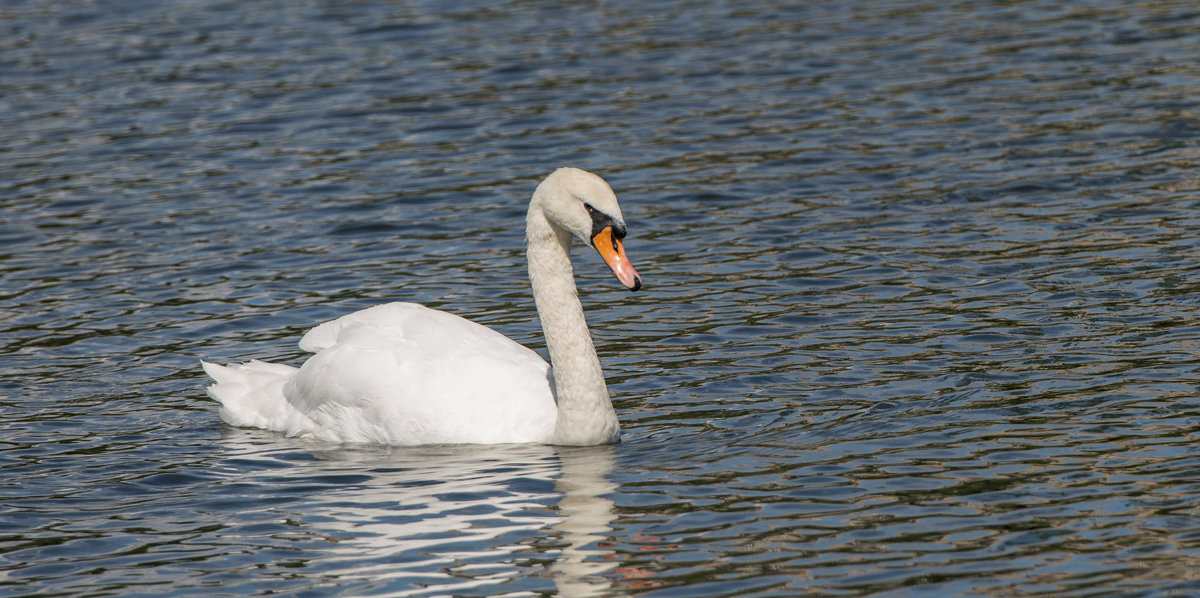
column 919, row 317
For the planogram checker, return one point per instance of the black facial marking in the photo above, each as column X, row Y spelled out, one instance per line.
column 601, row 221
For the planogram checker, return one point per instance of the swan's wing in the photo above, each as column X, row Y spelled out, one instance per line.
column 402, row 373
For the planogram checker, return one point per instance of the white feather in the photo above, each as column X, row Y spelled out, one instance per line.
column 404, row 374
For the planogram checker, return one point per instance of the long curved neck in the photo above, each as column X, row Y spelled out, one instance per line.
column 585, row 413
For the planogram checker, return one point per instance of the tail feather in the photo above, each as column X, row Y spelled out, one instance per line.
column 251, row 395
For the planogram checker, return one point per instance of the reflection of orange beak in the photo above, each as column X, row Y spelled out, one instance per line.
column 613, row 252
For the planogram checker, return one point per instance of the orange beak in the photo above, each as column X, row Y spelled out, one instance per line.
column 613, row 252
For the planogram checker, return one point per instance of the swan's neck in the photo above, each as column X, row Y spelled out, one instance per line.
column 585, row 413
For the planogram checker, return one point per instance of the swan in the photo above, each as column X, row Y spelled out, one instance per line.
column 405, row 374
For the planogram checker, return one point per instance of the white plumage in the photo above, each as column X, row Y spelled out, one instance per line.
column 383, row 374
column 405, row 374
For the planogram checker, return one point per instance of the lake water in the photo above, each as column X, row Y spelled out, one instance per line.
column 919, row 317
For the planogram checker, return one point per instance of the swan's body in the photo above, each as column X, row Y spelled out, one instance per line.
column 405, row 374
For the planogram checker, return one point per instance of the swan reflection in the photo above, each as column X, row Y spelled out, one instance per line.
column 442, row 519
column 585, row 516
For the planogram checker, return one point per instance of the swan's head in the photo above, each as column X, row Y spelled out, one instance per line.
column 582, row 204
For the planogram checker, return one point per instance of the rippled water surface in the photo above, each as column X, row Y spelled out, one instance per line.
column 919, row 315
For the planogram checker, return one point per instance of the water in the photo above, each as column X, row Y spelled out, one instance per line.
column 919, row 315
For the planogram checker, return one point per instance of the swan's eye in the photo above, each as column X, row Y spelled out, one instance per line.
column 601, row 221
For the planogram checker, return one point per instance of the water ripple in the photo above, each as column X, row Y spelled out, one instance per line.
column 920, row 286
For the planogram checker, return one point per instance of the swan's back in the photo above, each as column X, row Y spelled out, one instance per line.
column 404, row 374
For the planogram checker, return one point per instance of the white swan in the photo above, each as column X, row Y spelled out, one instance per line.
column 404, row 374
